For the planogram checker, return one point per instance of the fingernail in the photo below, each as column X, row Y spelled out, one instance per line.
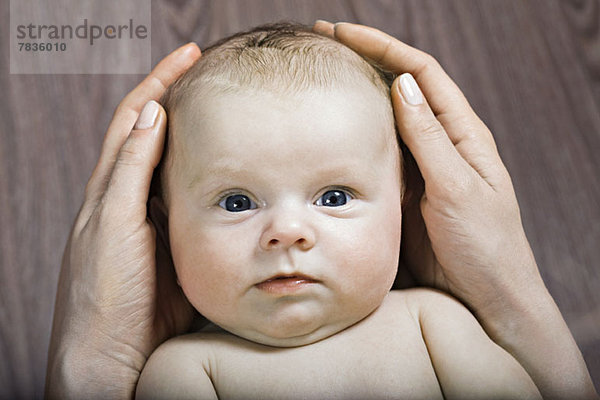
column 322, row 21
column 335, row 26
column 147, row 116
column 410, row 90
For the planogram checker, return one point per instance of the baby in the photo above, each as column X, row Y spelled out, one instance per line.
column 282, row 180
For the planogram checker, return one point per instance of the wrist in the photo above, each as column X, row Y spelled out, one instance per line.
column 83, row 371
column 528, row 324
column 514, row 298
column 84, row 362
column 512, row 311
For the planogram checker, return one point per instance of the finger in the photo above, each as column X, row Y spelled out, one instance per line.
column 439, row 162
column 151, row 88
column 393, row 55
column 126, row 195
column 324, row 28
column 466, row 131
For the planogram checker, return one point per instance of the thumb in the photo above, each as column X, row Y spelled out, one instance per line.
column 129, row 183
column 438, row 160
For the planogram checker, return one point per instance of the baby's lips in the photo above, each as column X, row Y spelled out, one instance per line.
column 286, row 284
column 297, row 276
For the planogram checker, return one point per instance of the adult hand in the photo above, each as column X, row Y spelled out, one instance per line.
column 117, row 296
column 462, row 231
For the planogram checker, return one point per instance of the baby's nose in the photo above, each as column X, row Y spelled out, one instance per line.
column 287, row 229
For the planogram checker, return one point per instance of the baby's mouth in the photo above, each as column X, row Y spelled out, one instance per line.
column 286, row 284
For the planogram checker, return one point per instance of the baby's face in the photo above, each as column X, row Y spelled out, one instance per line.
column 285, row 215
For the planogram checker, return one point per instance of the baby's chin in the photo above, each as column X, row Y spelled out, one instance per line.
column 292, row 335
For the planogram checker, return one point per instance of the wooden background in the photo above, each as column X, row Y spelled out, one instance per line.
column 531, row 69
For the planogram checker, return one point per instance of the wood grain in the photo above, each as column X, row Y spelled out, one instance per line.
column 531, row 70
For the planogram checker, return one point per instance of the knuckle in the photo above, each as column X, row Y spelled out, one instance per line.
column 160, row 84
column 462, row 187
column 389, row 44
column 431, row 129
column 124, row 112
column 428, row 62
column 130, row 154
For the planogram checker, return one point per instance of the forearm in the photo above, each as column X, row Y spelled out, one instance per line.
column 528, row 324
column 84, row 361
column 79, row 372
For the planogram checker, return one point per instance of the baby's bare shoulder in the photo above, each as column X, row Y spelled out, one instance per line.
column 419, row 296
column 179, row 368
column 382, row 355
column 415, row 342
column 423, row 302
column 462, row 353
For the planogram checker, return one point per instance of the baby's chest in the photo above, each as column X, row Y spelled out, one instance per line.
column 355, row 367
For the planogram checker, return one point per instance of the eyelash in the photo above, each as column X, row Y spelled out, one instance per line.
column 233, row 192
column 333, row 201
column 349, row 192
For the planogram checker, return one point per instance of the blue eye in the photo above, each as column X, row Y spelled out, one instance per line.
column 237, row 203
column 333, row 198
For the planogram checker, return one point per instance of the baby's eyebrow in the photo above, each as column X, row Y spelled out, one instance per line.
column 344, row 172
column 221, row 167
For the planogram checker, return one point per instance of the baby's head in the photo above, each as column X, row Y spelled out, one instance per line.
column 282, row 180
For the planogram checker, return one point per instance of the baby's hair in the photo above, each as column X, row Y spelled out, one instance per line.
column 282, row 58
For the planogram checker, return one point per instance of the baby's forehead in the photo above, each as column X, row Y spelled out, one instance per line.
column 329, row 133
column 207, row 117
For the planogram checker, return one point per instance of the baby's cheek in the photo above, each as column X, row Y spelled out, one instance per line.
column 365, row 254
column 218, row 275
column 376, row 253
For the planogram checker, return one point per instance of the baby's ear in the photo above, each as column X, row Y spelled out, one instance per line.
column 413, row 183
column 159, row 215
